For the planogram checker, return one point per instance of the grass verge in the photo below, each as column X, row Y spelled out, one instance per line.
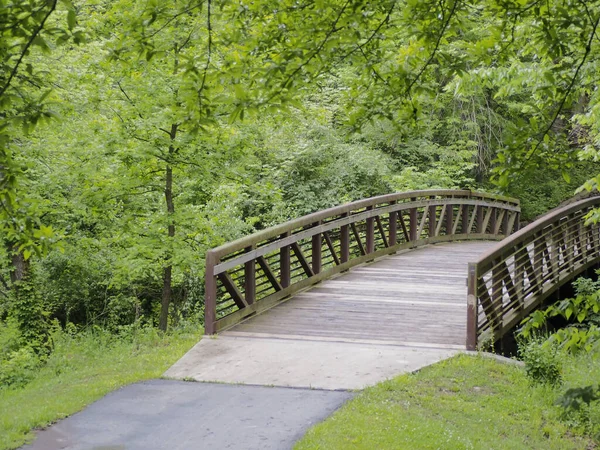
column 465, row 402
column 81, row 370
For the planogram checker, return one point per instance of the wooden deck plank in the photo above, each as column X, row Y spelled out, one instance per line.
column 415, row 296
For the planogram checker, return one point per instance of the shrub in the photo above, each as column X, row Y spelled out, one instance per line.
column 542, row 362
column 18, row 367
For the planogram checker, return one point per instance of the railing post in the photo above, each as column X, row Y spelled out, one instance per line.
column 344, row 242
column 432, row 220
column 493, row 220
column 393, row 229
column 284, row 263
column 370, row 232
column 210, row 294
column 250, row 278
column 479, row 219
column 413, row 222
column 464, row 226
column 505, row 221
column 472, row 307
column 317, row 244
column 449, row 218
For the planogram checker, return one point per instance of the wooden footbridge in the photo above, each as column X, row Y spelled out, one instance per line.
column 439, row 269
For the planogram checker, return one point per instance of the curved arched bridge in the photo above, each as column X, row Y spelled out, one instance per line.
column 365, row 290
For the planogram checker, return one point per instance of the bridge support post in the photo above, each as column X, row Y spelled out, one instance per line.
column 250, row 278
column 413, row 222
column 344, row 242
column 284, row 263
column 370, row 233
column 393, row 229
column 472, row 310
column 317, row 243
column 210, row 294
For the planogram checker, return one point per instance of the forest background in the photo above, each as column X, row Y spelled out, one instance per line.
column 134, row 136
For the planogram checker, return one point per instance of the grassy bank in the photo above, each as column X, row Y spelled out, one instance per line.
column 82, row 369
column 463, row 403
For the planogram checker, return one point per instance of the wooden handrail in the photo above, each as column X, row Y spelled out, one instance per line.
column 519, row 273
column 254, row 273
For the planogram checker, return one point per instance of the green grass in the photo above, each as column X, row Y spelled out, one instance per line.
column 462, row 403
column 81, row 370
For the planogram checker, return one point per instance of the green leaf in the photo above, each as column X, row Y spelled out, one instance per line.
column 71, row 19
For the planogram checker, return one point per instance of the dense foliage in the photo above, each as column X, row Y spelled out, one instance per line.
column 136, row 135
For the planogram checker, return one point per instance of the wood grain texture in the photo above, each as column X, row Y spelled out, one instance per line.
column 417, row 296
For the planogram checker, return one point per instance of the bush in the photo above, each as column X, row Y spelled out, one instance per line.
column 542, row 362
column 18, row 367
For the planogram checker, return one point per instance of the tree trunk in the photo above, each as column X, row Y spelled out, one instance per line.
column 20, row 266
column 168, row 269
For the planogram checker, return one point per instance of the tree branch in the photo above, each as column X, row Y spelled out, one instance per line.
column 588, row 49
column 435, row 49
column 35, row 34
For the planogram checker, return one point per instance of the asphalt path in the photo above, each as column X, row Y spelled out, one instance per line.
column 178, row 415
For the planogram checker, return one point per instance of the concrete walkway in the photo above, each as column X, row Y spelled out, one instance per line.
column 177, row 415
column 392, row 316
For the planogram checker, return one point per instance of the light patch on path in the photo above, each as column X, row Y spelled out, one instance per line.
column 175, row 415
column 321, row 364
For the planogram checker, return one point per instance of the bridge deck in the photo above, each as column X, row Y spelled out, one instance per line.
column 378, row 320
column 416, row 297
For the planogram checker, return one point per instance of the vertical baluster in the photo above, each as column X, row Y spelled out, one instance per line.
column 370, row 232
column 317, row 244
column 250, row 278
column 519, row 271
column 284, row 263
column 538, row 261
column 464, row 226
column 344, row 242
column 493, row 220
column 479, row 226
column 472, row 307
column 505, row 220
column 413, row 222
column 449, row 218
column 210, row 294
column 497, row 294
column 432, row 220
column 393, row 229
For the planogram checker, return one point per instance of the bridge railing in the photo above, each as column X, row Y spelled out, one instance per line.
column 254, row 273
column 513, row 278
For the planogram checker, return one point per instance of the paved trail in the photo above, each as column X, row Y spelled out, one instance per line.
column 178, row 415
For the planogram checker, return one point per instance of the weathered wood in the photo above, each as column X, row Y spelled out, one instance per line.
column 370, row 234
column 412, row 223
column 249, row 280
column 393, row 229
column 426, row 226
column 264, row 265
column 432, row 213
column 331, row 248
column 426, row 311
column 532, row 263
column 285, row 264
column 302, row 260
column 381, row 232
column 210, row 294
column 344, row 244
column 232, row 289
column 317, row 244
column 361, row 248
